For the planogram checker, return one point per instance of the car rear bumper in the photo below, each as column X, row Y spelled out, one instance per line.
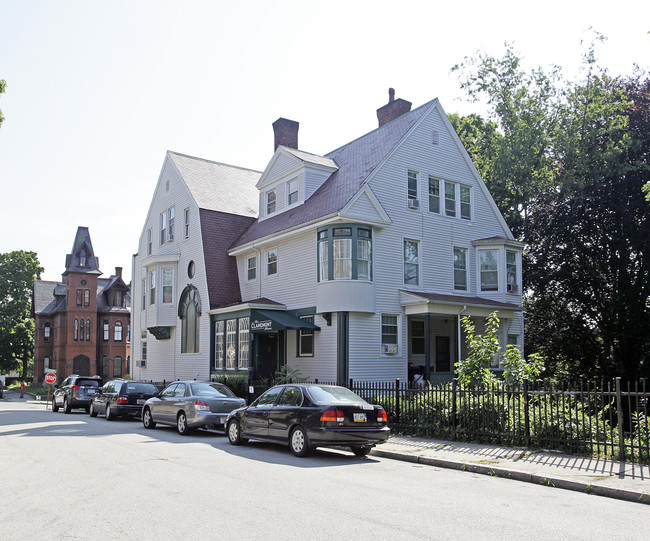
column 347, row 435
column 128, row 409
column 206, row 419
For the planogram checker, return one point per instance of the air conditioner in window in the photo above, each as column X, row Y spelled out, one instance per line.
column 141, row 363
column 513, row 288
column 389, row 349
column 414, row 204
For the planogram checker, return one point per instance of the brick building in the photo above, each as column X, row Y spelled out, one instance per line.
column 82, row 324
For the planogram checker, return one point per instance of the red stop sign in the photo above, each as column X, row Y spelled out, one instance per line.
column 50, row 378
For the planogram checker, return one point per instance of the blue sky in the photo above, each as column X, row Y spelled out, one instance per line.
column 98, row 91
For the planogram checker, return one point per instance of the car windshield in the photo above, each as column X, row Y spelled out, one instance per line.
column 146, row 388
column 212, row 389
column 333, row 395
column 88, row 383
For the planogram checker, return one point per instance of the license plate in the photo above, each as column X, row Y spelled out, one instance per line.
column 140, row 401
column 360, row 418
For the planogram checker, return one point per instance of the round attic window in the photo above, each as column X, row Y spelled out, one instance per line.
column 190, row 269
column 83, row 282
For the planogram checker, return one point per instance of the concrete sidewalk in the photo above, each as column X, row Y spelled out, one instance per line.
column 620, row 480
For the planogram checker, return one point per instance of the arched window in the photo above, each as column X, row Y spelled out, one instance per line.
column 88, row 330
column 76, row 330
column 189, row 311
column 107, row 331
column 117, row 366
column 82, row 332
column 117, row 336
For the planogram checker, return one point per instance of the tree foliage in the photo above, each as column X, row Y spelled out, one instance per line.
column 18, row 270
column 474, row 370
column 3, row 86
column 567, row 163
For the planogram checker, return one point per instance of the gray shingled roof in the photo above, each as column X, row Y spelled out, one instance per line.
column 44, row 301
column 217, row 186
column 311, row 158
column 356, row 161
column 72, row 260
column 461, row 299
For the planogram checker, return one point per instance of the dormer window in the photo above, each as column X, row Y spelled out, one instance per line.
column 270, row 202
column 292, row 191
column 82, row 258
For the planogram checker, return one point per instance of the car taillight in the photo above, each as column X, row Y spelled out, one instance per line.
column 122, row 400
column 75, row 388
column 382, row 417
column 200, row 405
column 333, row 416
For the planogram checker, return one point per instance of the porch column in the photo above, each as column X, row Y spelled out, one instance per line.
column 427, row 347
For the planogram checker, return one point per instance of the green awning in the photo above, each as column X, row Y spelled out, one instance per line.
column 277, row 320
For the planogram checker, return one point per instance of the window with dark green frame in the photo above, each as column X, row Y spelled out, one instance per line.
column 344, row 252
column 306, row 339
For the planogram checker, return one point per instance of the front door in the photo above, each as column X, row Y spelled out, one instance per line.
column 81, row 365
column 267, row 354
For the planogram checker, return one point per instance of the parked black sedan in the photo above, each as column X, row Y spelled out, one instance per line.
column 120, row 398
column 306, row 416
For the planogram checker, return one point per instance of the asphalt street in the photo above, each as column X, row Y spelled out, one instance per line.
column 76, row 477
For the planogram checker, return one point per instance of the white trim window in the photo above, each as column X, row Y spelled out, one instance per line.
column 270, row 202
column 167, row 285
column 342, row 252
column 152, row 287
column 389, row 329
column 364, row 257
column 149, row 241
column 187, row 223
column 512, row 281
column 218, row 344
column 144, row 294
column 465, row 202
column 163, row 227
column 411, row 262
column 244, row 341
column 460, row 269
column 412, row 184
column 434, row 195
column 292, row 191
column 323, row 256
column 251, row 268
column 117, row 332
column 272, row 262
column 450, row 198
column 170, row 223
column 489, row 269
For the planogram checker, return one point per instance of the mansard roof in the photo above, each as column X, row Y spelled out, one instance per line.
column 82, row 258
column 355, row 161
column 217, row 186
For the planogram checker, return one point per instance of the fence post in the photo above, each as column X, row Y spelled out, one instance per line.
column 526, row 414
column 453, row 409
column 621, row 428
column 397, row 402
column 350, row 384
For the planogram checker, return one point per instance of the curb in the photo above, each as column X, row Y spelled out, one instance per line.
column 553, row 482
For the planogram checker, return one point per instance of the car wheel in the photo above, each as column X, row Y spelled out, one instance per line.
column 55, row 408
column 91, row 410
column 234, row 433
column 66, row 406
column 181, row 424
column 298, row 442
column 147, row 419
column 109, row 413
column 362, row 450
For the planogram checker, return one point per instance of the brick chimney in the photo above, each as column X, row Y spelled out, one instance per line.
column 286, row 133
column 393, row 109
column 118, row 272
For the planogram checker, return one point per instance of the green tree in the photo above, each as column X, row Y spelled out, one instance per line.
column 3, row 86
column 474, row 370
column 18, row 270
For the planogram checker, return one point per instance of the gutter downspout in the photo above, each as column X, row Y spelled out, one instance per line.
column 458, row 347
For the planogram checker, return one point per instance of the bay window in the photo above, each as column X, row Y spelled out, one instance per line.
column 344, row 253
column 489, row 270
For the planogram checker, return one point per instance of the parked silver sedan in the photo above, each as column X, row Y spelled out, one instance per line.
column 191, row 404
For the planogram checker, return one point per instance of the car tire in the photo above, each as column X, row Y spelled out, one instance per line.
column 298, row 442
column 55, row 408
column 110, row 415
column 233, row 431
column 181, row 424
column 91, row 410
column 66, row 406
column 147, row 419
column 361, row 450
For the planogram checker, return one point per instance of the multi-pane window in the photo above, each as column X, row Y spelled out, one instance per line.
column 82, row 330
column 187, row 223
column 271, row 262
column 167, row 285
column 489, row 270
column 76, row 330
column 46, row 332
column 306, row 339
column 511, row 272
column 450, row 198
column 79, row 297
column 270, row 202
column 244, row 334
column 292, row 191
column 149, row 241
column 152, row 287
column 411, row 262
column 389, row 329
column 107, row 331
column 417, row 337
column 163, row 227
column 86, row 297
column 251, row 268
column 434, row 195
column 143, row 343
column 144, row 294
column 412, row 185
column 117, row 334
column 218, row 345
column 231, row 344
column 87, row 330
column 465, row 203
column 170, row 223
column 460, row 269
column 344, row 253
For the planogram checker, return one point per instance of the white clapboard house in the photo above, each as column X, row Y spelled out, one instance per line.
column 358, row 264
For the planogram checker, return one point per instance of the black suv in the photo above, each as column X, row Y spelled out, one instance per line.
column 121, row 397
column 75, row 392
